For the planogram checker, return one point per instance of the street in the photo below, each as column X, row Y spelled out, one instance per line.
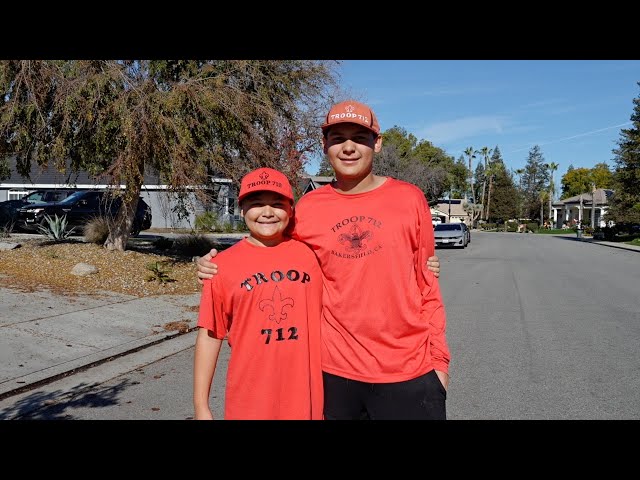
column 539, row 327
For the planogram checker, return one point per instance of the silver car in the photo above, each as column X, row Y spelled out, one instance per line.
column 452, row 235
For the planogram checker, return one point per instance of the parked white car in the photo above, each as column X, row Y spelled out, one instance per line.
column 452, row 235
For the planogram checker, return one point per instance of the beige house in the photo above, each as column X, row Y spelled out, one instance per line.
column 451, row 211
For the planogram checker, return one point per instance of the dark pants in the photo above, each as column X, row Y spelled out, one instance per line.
column 421, row 398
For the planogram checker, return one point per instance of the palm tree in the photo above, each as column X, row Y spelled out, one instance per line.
column 470, row 152
column 543, row 198
column 552, row 187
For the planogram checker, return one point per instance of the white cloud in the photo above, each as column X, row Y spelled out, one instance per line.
column 461, row 128
column 572, row 137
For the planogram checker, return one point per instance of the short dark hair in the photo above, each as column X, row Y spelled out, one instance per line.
column 258, row 192
column 326, row 131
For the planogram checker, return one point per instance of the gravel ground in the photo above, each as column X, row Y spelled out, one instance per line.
column 38, row 264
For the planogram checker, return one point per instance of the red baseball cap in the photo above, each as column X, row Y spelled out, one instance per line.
column 265, row 179
column 352, row 112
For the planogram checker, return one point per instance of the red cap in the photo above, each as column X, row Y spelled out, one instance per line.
column 352, row 112
column 265, row 179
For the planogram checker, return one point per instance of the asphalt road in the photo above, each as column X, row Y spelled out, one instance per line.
column 539, row 327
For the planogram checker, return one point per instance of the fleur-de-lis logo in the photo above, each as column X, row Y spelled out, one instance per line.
column 264, row 175
column 276, row 305
column 354, row 239
column 349, row 108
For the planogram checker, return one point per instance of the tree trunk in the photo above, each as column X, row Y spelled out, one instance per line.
column 484, row 186
column 489, row 196
column 473, row 195
column 552, row 189
column 123, row 224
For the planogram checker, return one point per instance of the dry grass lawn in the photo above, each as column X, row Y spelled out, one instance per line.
column 39, row 264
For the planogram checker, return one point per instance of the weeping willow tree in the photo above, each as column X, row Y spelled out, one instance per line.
column 183, row 119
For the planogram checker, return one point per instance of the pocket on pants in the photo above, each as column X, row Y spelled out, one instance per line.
column 437, row 384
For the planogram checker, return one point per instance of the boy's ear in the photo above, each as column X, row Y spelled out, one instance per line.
column 378, row 145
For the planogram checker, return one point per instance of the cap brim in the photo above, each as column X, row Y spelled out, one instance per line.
column 327, row 125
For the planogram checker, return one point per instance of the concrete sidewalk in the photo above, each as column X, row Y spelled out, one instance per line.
column 622, row 246
column 44, row 336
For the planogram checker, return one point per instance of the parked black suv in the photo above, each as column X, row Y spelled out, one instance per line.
column 81, row 207
column 9, row 208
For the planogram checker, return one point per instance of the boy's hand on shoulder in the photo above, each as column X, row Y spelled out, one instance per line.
column 207, row 269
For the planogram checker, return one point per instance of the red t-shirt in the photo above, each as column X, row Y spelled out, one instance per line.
column 383, row 315
column 267, row 302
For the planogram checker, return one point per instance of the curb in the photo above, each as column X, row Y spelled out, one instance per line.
column 628, row 248
column 51, row 374
column 24, row 404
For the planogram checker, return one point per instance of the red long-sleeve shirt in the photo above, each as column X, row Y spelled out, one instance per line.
column 266, row 301
column 383, row 316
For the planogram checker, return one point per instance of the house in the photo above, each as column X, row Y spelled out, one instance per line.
column 168, row 210
column 451, row 211
column 587, row 208
column 308, row 183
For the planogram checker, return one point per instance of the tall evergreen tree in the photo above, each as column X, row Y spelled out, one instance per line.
column 459, row 178
column 494, row 166
column 503, row 206
column 534, row 180
column 625, row 203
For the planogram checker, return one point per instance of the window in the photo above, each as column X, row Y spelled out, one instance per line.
column 231, row 206
column 17, row 194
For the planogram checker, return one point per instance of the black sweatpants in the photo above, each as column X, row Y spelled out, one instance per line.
column 421, row 398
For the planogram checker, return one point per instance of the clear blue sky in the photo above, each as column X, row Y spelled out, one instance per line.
column 573, row 109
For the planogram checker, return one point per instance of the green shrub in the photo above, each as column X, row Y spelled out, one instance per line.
column 511, row 226
column 241, row 226
column 159, row 273
column 55, row 228
column 207, row 221
column 96, row 230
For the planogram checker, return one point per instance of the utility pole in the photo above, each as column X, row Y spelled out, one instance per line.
column 593, row 205
column 580, row 213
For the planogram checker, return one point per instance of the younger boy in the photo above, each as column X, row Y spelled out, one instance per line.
column 267, row 301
